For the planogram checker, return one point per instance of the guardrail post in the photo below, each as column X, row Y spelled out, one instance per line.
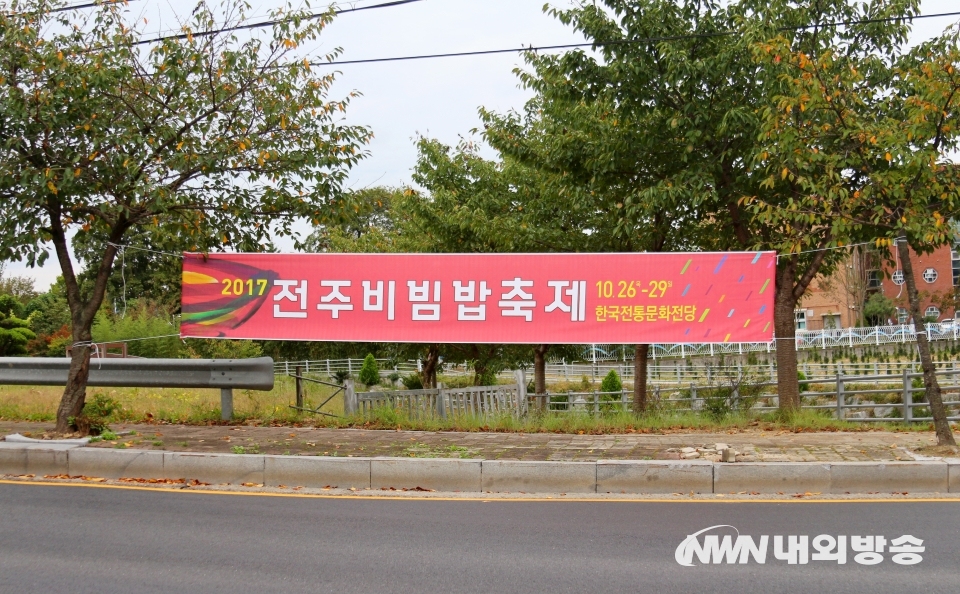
column 521, row 376
column 349, row 398
column 441, row 405
column 693, row 398
column 226, row 404
column 840, row 396
column 299, row 388
column 596, row 403
column 907, row 397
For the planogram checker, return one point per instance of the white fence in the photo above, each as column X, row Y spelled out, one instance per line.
column 510, row 399
column 805, row 339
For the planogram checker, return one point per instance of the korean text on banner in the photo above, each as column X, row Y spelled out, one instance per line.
column 481, row 298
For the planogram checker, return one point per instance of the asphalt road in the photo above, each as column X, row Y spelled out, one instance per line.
column 72, row 539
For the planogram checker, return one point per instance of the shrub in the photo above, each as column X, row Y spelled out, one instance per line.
column 413, row 382
column 369, row 372
column 96, row 414
column 804, row 386
column 611, row 383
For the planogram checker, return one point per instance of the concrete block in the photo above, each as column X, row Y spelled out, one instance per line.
column 953, row 474
column 640, row 476
column 439, row 474
column 214, row 468
column 115, row 464
column 316, row 472
column 539, row 477
column 887, row 477
column 771, row 477
column 33, row 460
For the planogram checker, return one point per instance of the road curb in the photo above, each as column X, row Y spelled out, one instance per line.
column 476, row 476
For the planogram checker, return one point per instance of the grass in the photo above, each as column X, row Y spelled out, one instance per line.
column 172, row 405
column 624, row 422
column 202, row 407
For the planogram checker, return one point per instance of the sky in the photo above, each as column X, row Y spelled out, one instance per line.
column 437, row 98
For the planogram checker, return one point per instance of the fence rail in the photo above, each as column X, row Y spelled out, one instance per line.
column 443, row 402
column 663, row 374
column 847, row 400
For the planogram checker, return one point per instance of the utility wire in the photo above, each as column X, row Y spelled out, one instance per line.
column 70, row 7
column 261, row 24
column 532, row 48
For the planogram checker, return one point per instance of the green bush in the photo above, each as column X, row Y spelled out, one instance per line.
column 141, row 322
column 611, row 383
column 96, row 414
column 413, row 382
column 804, row 386
column 14, row 335
column 369, row 373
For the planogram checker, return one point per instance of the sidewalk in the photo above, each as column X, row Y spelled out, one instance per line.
column 751, row 446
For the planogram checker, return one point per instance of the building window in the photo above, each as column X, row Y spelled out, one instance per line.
column 874, row 278
column 902, row 315
column 897, row 277
column 800, row 319
column 955, row 258
column 831, row 321
column 930, row 275
column 932, row 313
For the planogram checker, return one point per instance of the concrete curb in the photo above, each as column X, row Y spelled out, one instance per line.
column 477, row 476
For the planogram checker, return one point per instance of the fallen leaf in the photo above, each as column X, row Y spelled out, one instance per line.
column 252, row 484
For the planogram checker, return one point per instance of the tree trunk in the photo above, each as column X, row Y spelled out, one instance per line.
column 640, row 352
column 429, row 374
column 930, row 383
column 785, row 302
column 75, row 392
column 540, row 368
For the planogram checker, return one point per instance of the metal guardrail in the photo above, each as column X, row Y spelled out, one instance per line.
column 225, row 374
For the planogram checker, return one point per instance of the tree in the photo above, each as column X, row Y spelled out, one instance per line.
column 221, row 142
column 20, row 287
column 369, row 372
column 878, row 308
column 650, row 146
column 15, row 333
column 878, row 128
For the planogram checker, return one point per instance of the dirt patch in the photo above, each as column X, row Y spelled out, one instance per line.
column 941, row 451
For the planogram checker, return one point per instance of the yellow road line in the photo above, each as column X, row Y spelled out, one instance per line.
column 471, row 498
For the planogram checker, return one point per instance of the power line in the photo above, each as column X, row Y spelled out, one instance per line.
column 258, row 25
column 70, row 7
column 532, row 48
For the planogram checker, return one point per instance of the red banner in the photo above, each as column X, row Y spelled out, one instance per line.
column 481, row 298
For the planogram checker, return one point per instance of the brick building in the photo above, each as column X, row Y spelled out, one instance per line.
column 937, row 276
column 834, row 302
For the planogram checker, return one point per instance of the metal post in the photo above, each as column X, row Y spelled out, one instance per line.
column 299, row 384
column 694, row 405
column 441, row 405
column 226, row 404
column 349, row 398
column 907, row 397
column 521, row 376
column 596, row 403
column 840, row 395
